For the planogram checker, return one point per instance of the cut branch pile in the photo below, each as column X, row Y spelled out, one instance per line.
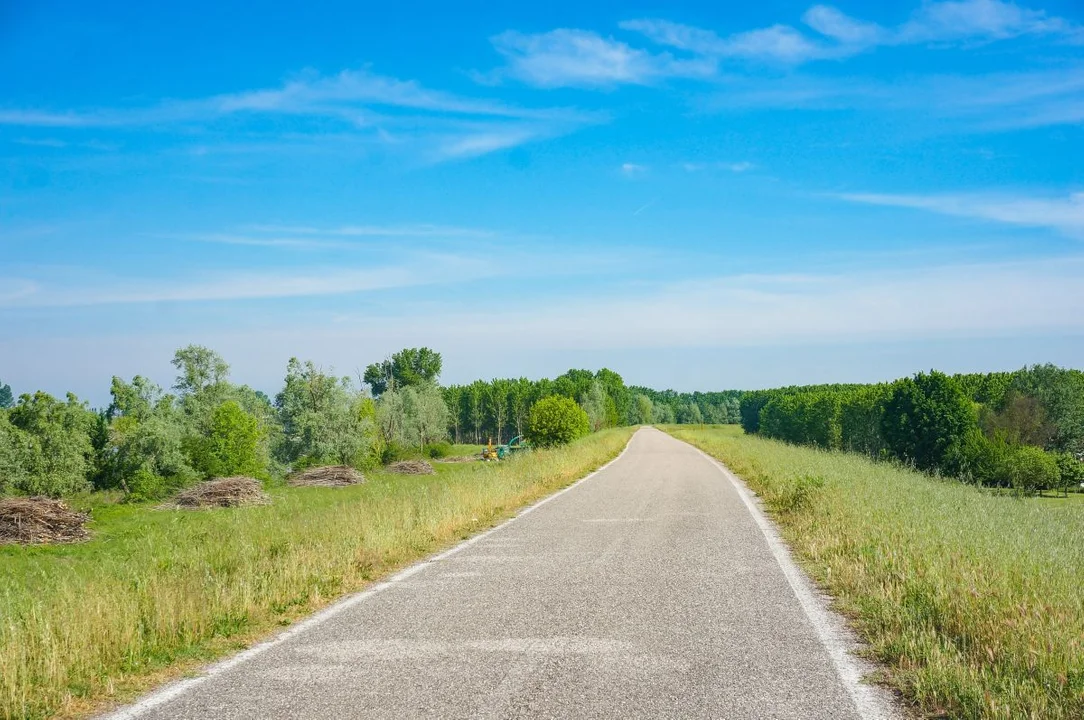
column 331, row 476
column 37, row 520
column 411, row 467
column 224, row 492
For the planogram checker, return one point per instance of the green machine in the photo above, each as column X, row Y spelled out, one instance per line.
column 515, row 445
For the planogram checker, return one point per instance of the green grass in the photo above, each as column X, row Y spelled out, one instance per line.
column 158, row 592
column 973, row 601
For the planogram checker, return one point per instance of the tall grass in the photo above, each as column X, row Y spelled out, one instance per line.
column 157, row 591
column 974, row 602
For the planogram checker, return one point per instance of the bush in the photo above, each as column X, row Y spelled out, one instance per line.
column 439, row 450
column 557, row 420
column 999, row 463
column 1072, row 471
column 1032, row 469
column 232, row 447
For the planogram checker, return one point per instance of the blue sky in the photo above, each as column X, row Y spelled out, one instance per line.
column 698, row 195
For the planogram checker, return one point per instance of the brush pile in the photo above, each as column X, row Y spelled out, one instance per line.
column 411, row 467
column 331, row 476
column 223, row 492
column 38, row 520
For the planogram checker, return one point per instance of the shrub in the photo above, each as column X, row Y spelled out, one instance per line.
column 557, row 420
column 439, row 450
column 1071, row 469
column 1032, row 469
column 232, row 447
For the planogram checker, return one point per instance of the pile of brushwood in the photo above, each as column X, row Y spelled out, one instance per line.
column 330, row 476
column 411, row 467
column 223, row 492
column 40, row 520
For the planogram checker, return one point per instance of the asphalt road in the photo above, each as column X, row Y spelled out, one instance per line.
column 648, row 590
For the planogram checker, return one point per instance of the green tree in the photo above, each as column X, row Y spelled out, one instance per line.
column 16, row 457
column 198, row 369
column 643, row 410
column 594, row 404
column 926, row 420
column 426, row 413
column 232, row 447
column 689, row 414
column 54, row 448
column 557, row 420
column 323, row 419
column 453, row 398
column 497, row 401
column 6, row 398
column 519, row 399
column 409, row 366
column 415, row 416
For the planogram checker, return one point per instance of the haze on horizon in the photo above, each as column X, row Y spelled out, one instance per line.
column 711, row 198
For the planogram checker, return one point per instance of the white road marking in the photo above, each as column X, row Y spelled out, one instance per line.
column 870, row 701
column 180, row 687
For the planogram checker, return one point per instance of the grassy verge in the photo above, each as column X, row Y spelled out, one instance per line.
column 158, row 592
column 974, row 602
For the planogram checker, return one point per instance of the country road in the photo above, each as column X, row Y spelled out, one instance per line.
column 651, row 589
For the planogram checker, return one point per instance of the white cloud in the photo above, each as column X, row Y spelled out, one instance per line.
column 632, row 169
column 439, row 125
column 734, row 167
column 420, row 230
column 962, row 20
column 1063, row 214
column 484, row 141
column 580, row 58
column 427, row 269
column 839, row 26
column 977, row 19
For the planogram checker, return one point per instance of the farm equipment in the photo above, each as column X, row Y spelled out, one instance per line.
column 515, row 445
column 499, row 452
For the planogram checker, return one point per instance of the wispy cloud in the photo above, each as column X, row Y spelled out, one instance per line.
column 445, row 125
column 581, row 58
column 838, row 35
column 426, row 269
column 983, row 102
column 969, row 300
column 734, row 167
column 415, row 230
column 632, row 170
column 1063, row 214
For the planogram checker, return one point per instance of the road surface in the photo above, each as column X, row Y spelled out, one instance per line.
column 649, row 590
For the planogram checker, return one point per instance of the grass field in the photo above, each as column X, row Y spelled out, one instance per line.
column 158, row 592
column 974, row 602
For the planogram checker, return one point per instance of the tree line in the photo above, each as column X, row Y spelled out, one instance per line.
column 1021, row 430
column 150, row 442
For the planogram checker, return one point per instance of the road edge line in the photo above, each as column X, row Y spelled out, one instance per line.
column 177, row 688
column 871, row 702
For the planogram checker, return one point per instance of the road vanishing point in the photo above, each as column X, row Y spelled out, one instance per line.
column 654, row 588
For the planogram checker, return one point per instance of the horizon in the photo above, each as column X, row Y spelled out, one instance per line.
column 705, row 198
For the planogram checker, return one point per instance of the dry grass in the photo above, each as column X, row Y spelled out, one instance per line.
column 154, row 593
column 330, row 476
column 28, row 521
column 973, row 601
